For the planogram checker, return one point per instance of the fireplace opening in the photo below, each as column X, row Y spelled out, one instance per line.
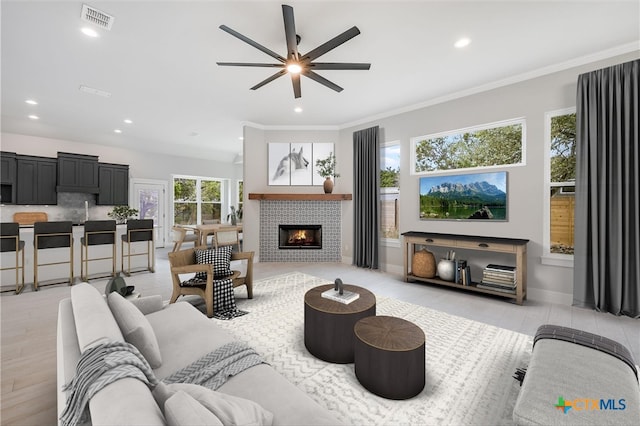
column 300, row 236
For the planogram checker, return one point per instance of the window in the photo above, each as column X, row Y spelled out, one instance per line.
column 240, row 190
column 389, row 189
column 560, row 142
column 196, row 200
column 494, row 144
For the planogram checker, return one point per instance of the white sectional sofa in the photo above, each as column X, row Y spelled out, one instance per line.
column 183, row 336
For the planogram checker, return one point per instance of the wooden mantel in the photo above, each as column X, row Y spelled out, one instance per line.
column 300, row 197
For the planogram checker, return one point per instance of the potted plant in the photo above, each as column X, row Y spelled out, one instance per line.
column 235, row 215
column 122, row 213
column 327, row 169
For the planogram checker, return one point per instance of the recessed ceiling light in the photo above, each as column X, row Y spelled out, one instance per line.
column 298, row 109
column 34, row 117
column 90, row 32
column 117, row 131
column 31, row 102
column 126, row 120
column 241, row 138
column 464, row 41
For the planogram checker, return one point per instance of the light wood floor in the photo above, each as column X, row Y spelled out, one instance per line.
column 28, row 327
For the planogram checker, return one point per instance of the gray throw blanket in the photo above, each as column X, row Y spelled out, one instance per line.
column 98, row 367
column 214, row 369
column 104, row 364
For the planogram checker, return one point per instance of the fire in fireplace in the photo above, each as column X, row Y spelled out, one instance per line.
column 300, row 236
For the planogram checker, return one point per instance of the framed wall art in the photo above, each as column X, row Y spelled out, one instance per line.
column 294, row 163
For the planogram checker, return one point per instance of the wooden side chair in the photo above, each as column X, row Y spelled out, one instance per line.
column 227, row 236
column 10, row 242
column 182, row 234
column 184, row 262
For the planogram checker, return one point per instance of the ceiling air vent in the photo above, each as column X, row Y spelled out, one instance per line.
column 96, row 17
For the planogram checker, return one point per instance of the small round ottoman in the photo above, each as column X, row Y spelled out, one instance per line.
column 390, row 356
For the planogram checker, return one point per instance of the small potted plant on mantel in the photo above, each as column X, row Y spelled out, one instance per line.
column 122, row 213
column 327, row 169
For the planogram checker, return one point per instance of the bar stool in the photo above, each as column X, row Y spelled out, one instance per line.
column 50, row 235
column 10, row 242
column 96, row 233
column 138, row 230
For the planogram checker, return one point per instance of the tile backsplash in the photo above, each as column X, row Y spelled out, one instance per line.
column 71, row 206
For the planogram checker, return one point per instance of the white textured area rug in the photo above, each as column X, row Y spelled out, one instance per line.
column 469, row 365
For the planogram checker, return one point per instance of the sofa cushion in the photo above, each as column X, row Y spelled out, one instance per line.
column 126, row 401
column 220, row 258
column 136, row 328
column 231, row 410
column 265, row 386
column 184, row 336
column 183, row 409
column 94, row 321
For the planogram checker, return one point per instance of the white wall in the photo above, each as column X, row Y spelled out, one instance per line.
column 526, row 184
column 256, row 179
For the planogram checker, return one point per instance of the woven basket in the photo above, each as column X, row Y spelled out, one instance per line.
column 424, row 264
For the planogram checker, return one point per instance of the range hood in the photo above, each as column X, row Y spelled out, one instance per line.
column 77, row 173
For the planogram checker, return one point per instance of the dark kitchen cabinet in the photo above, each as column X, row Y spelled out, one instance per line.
column 77, row 173
column 36, row 180
column 7, row 177
column 114, row 184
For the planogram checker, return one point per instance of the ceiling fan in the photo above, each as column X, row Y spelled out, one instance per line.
column 295, row 63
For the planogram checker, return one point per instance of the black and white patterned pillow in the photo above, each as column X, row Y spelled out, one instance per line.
column 220, row 259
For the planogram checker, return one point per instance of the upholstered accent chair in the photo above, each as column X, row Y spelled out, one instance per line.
column 184, row 262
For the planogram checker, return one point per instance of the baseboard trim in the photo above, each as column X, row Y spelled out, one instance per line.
column 549, row 296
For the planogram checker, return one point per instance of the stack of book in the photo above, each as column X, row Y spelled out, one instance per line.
column 499, row 278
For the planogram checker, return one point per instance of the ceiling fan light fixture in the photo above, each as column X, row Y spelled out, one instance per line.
column 294, row 68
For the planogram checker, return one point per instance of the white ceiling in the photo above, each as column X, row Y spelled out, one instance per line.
column 159, row 63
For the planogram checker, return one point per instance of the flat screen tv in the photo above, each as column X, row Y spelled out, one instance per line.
column 472, row 196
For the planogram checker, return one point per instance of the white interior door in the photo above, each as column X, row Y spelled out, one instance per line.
column 149, row 197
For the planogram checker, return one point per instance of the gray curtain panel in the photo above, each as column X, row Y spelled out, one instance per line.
column 607, row 229
column 366, row 197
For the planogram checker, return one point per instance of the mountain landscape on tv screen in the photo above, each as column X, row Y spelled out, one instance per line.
column 454, row 200
column 470, row 193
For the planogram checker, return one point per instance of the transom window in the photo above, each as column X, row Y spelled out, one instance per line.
column 489, row 145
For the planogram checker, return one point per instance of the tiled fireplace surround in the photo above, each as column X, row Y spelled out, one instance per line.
column 300, row 212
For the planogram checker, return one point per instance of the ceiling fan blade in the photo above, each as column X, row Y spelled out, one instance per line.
column 318, row 78
column 338, row 66
column 332, row 44
column 297, row 91
column 270, row 79
column 290, row 32
column 248, row 64
column 252, row 43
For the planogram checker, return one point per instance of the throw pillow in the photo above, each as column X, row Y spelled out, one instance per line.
column 135, row 328
column 182, row 409
column 229, row 409
column 220, row 258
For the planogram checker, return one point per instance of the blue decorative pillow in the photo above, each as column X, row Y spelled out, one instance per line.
column 220, row 259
